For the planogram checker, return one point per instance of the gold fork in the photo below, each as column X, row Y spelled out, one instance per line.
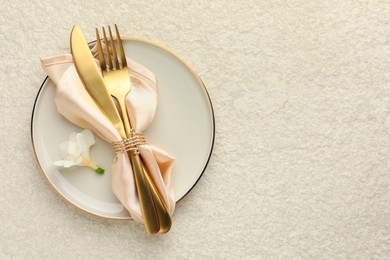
column 117, row 79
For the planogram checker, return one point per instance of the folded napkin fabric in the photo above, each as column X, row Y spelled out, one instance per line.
column 76, row 105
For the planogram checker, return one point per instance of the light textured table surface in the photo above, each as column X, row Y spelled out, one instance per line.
column 301, row 164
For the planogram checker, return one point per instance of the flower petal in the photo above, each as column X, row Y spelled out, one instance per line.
column 85, row 139
column 68, row 164
column 78, row 161
column 64, row 150
column 82, row 143
column 88, row 136
column 74, row 149
column 58, row 163
column 72, row 137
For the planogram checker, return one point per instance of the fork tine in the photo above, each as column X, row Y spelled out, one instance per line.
column 109, row 67
column 120, row 48
column 113, row 50
column 103, row 65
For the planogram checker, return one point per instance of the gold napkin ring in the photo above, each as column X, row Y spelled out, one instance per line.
column 129, row 144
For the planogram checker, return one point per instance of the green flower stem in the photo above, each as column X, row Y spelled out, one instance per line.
column 99, row 170
column 93, row 166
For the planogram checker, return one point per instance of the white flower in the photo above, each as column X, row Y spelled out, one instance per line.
column 76, row 151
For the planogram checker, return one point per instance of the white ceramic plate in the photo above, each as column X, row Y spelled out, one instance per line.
column 183, row 126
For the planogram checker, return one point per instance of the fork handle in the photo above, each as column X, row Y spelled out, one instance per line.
column 149, row 213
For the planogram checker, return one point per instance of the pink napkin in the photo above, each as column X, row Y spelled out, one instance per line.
column 75, row 104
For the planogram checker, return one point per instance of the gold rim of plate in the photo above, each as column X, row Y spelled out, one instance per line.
column 140, row 39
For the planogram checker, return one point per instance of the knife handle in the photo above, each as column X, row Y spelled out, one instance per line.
column 163, row 215
column 149, row 213
column 154, row 210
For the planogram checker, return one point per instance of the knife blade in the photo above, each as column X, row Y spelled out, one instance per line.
column 92, row 78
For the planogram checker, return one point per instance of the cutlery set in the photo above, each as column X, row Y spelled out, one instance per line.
column 112, row 80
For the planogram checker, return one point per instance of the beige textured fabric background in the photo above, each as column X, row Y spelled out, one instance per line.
column 301, row 165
